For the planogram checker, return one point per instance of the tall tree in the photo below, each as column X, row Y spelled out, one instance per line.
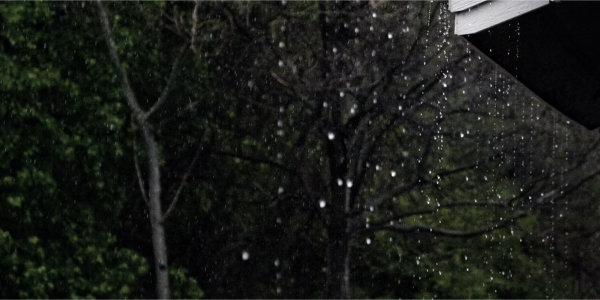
column 142, row 118
column 371, row 110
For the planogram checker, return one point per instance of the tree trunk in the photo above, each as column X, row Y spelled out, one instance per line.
column 156, row 219
column 338, row 255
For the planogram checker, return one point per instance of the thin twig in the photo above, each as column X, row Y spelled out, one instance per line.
column 175, row 69
column 257, row 160
column 447, row 232
column 183, row 182
column 194, row 26
column 139, row 173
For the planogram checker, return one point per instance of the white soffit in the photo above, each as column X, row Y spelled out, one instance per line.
column 458, row 5
column 486, row 15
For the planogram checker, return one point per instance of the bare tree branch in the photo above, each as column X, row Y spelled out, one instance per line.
column 447, row 232
column 182, row 183
column 175, row 70
column 428, row 211
column 139, row 173
column 194, row 26
column 257, row 160
column 395, row 192
column 138, row 112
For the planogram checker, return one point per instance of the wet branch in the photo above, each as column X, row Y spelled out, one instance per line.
column 138, row 172
column 447, row 232
column 257, row 160
column 175, row 70
column 114, row 55
column 182, row 183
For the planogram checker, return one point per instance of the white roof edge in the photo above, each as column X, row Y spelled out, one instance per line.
column 460, row 5
column 492, row 13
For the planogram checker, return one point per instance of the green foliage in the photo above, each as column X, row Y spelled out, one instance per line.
column 73, row 224
column 63, row 145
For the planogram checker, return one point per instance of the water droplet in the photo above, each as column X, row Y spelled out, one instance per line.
column 276, row 262
column 280, row 190
column 342, row 94
column 374, row 15
column 393, row 173
column 331, row 136
column 348, row 183
column 368, row 241
column 322, row 203
column 281, row 45
column 334, row 50
column 390, row 36
column 340, row 182
column 280, row 63
column 245, row 255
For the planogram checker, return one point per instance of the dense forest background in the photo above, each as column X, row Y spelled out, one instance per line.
column 273, row 149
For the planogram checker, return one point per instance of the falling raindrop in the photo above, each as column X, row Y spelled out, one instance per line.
column 322, row 203
column 330, row 136
column 390, row 36
column 245, row 255
column 281, row 45
column 393, row 173
column 368, row 241
column 340, row 182
column 348, row 183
